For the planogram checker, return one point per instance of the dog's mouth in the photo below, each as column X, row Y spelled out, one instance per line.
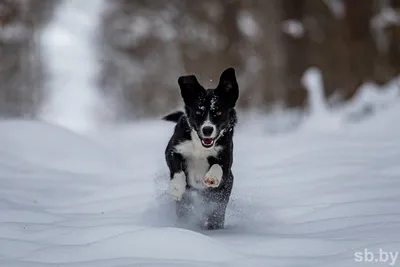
column 207, row 142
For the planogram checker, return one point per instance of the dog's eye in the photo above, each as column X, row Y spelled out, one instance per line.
column 218, row 113
column 198, row 112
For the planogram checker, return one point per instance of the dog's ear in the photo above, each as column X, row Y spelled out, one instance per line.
column 191, row 90
column 228, row 88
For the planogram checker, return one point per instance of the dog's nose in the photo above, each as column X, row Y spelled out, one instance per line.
column 207, row 130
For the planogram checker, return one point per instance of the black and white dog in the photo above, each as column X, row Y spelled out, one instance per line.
column 199, row 153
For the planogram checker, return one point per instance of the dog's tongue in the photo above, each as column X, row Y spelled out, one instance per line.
column 208, row 141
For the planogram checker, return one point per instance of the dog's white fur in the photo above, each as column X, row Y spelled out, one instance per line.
column 198, row 167
column 215, row 175
column 177, row 186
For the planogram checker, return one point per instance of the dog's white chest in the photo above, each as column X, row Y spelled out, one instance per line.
column 197, row 169
column 196, row 159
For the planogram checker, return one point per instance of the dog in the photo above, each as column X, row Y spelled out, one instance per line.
column 199, row 154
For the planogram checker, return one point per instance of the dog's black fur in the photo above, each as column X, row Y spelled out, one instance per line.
column 216, row 108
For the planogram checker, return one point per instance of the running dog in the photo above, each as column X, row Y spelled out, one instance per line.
column 199, row 154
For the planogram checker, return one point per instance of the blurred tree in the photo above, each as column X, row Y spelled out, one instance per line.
column 147, row 44
column 263, row 54
column 209, row 39
column 394, row 38
column 275, row 53
column 296, row 53
column 139, row 56
column 362, row 53
column 326, row 45
column 21, row 70
column 342, row 45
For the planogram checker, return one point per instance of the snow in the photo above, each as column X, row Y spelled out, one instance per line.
column 74, row 194
column 134, row 28
column 247, row 25
column 68, row 47
column 293, row 28
column 13, row 33
column 370, row 98
column 384, row 19
column 337, row 7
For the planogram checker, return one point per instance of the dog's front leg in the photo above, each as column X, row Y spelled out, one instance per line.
column 219, row 180
column 213, row 177
column 177, row 185
column 217, row 199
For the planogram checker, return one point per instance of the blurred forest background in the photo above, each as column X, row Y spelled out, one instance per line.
column 144, row 45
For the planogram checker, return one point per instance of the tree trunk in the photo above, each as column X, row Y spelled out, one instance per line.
column 263, row 54
column 296, row 52
column 394, row 41
column 21, row 68
column 361, row 46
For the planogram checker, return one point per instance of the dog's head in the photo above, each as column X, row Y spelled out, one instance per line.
column 209, row 111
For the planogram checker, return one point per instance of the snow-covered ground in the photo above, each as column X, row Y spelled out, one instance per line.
column 308, row 198
column 326, row 194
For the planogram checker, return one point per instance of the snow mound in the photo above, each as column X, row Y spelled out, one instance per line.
column 156, row 244
column 54, row 147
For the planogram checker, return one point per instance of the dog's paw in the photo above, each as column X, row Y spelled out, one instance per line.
column 177, row 186
column 213, row 177
column 211, row 182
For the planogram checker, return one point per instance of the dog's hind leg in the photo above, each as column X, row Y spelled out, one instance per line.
column 184, row 207
column 216, row 218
